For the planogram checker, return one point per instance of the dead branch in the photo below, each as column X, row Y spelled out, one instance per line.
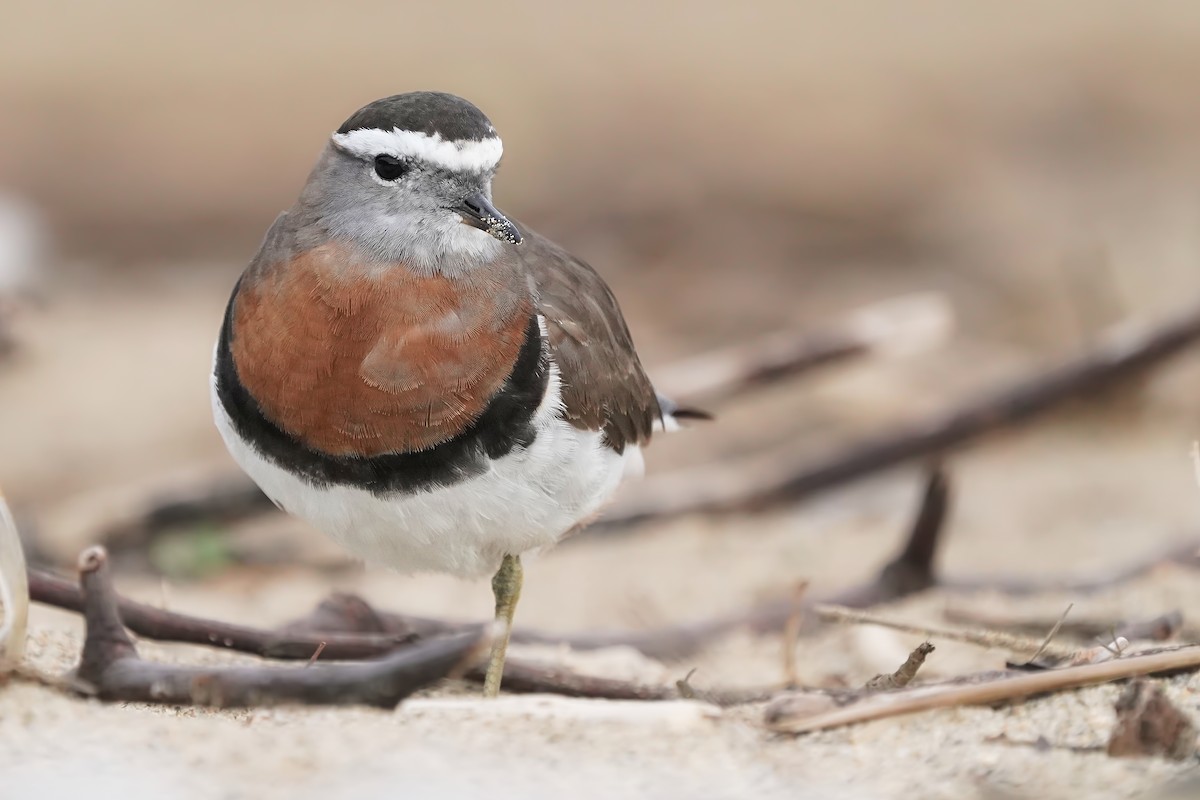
column 726, row 373
column 799, row 713
column 167, row 626
column 782, row 477
column 668, row 643
column 901, row 325
column 1044, row 647
column 1162, row 628
column 299, row 641
column 526, row 677
column 980, row 638
column 350, row 615
column 359, row 633
column 111, row 669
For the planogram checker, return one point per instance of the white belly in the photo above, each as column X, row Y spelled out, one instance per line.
column 528, row 499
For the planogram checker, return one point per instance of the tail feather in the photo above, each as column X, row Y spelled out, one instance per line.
column 674, row 414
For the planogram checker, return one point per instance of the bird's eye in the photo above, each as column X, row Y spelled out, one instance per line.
column 390, row 168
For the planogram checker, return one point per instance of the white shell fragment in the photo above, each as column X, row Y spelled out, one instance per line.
column 14, row 592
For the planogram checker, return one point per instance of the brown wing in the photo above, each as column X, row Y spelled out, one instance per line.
column 604, row 385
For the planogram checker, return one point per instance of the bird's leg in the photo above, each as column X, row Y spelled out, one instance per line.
column 506, row 586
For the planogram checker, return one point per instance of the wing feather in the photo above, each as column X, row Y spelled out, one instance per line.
column 604, row 385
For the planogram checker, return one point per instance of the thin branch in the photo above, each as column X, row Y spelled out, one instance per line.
column 898, row 326
column 980, row 638
column 1160, row 628
column 526, row 677
column 799, row 713
column 111, row 669
column 350, row 615
column 783, row 478
column 156, row 623
column 298, row 641
column 1054, row 629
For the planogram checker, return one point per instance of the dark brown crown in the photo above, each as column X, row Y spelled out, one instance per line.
column 447, row 115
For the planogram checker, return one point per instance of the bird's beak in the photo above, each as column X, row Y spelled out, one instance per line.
column 478, row 212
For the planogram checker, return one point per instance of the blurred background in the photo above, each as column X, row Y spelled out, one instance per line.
column 731, row 169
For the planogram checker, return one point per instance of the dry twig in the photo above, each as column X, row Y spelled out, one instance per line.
column 802, row 712
column 1054, row 629
column 981, row 638
column 299, row 641
column 156, row 623
column 111, row 669
column 898, row 326
column 1162, row 628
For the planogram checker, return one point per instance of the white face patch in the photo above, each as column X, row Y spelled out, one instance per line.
column 465, row 155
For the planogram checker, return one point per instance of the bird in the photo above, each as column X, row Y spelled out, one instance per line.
column 426, row 380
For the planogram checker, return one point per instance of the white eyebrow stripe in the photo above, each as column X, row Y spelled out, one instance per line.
column 461, row 155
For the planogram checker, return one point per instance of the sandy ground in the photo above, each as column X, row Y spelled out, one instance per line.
column 532, row 746
column 1084, row 493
